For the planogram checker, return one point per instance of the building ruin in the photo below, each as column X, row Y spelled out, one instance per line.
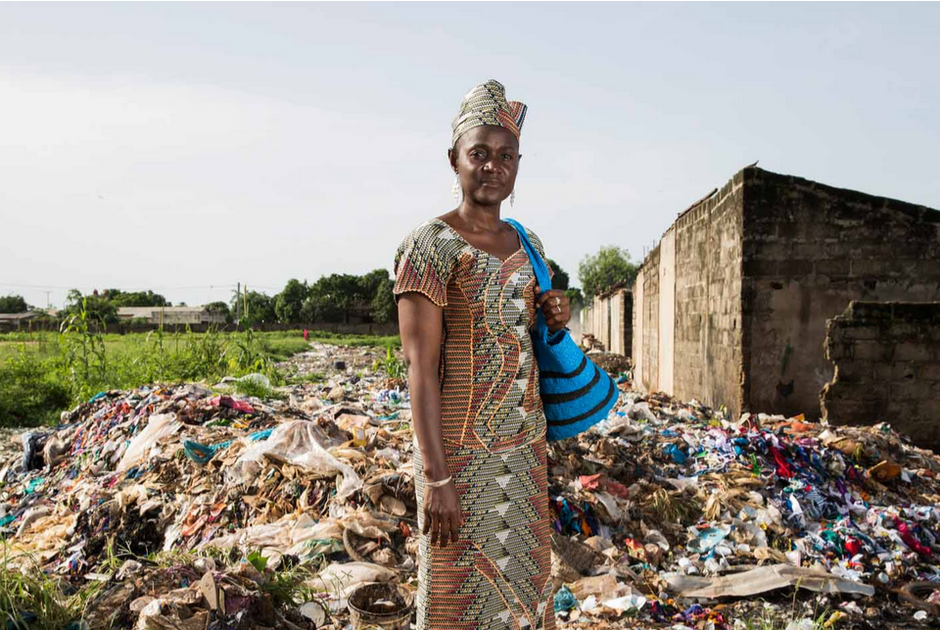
column 731, row 307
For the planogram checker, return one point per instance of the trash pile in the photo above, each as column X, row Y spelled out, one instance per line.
column 676, row 514
column 194, row 507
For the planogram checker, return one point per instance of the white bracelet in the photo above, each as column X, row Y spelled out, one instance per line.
column 437, row 484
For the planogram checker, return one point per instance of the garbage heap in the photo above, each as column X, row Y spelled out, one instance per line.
column 191, row 508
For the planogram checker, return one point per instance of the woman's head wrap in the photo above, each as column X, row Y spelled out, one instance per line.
column 486, row 105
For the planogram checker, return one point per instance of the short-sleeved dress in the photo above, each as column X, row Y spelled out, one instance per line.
column 497, row 576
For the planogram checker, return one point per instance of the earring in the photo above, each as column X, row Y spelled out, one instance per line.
column 512, row 198
column 457, row 189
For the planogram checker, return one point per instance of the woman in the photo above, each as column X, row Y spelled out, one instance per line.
column 466, row 299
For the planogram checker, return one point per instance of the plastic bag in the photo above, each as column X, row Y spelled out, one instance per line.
column 298, row 443
column 140, row 449
column 340, row 580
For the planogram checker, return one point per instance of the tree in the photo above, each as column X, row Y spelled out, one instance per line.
column 13, row 304
column 219, row 308
column 575, row 298
column 609, row 266
column 383, row 307
column 560, row 277
column 331, row 297
column 97, row 306
column 289, row 302
column 377, row 296
column 369, row 283
column 256, row 307
column 134, row 298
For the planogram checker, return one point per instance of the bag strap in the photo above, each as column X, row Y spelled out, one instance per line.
column 541, row 274
column 538, row 265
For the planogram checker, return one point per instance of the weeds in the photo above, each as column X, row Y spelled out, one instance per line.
column 288, row 586
column 256, row 388
column 391, row 365
column 50, row 372
column 84, row 353
column 355, row 340
column 31, row 599
column 30, row 393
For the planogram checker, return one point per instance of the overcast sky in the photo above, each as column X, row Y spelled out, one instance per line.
column 186, row 146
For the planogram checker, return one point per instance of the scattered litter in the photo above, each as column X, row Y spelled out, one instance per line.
column 666, row 515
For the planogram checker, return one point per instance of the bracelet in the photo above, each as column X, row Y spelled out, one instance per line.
column 438, row 484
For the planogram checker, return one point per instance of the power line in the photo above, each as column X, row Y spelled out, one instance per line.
column 141, row 288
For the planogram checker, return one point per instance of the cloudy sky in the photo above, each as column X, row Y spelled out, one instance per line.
column 187, row 147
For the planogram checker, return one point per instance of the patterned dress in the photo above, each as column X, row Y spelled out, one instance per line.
column 497, row 577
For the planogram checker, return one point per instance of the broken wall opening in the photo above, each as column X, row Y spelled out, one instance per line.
column 809, row 250
column 886, row 359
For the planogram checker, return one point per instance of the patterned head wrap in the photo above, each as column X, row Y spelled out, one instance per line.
column 486, row 105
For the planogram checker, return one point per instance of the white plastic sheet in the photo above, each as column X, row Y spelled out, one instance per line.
column 146, row 444
column 297, row 443
column 340, row 580
column 763, row 579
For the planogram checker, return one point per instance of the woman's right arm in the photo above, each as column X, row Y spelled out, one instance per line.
column 421, row 323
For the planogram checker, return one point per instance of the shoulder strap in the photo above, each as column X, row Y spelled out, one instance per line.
column 538, row 265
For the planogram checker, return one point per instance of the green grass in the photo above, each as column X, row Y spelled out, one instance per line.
column 31, row 599
column 281, row 345
column 44, row 373
column 356, row 341
column 259, row 390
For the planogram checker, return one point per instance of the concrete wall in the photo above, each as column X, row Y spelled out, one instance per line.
column 649, row 377
column 667, row 310
column 610, row 320
column 708, row 336
column 808, row 250
column 887, row 368
column 621, row 317
column 638, row 334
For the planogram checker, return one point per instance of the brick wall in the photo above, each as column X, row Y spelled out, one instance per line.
column 808, row 250
column 887, row 368
column 708, row 334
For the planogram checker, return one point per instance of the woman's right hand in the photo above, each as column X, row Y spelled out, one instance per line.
column 443, row 517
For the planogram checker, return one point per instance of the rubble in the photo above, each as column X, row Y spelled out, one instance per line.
column 193, row 507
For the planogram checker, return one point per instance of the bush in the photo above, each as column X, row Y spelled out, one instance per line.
column 31, row 391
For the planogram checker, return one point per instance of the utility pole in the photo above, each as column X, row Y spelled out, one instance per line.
column 238, row 303
column 245, row 297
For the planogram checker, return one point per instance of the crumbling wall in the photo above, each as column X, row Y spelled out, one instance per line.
column 887, row 368
column 708, row 336
column 808, row 250
column 650, row 342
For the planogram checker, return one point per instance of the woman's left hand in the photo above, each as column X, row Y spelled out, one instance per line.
column 555, row 307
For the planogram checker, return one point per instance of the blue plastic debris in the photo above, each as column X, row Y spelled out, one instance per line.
column 565, row 600
column 677, row 454
column 202, row 453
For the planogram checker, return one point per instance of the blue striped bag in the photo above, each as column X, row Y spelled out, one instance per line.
column 576, row 394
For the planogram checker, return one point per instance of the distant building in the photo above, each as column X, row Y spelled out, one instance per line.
column 16, row 321
column 170, row 315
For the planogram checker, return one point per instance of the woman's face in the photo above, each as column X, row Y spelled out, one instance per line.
column 486, row 159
